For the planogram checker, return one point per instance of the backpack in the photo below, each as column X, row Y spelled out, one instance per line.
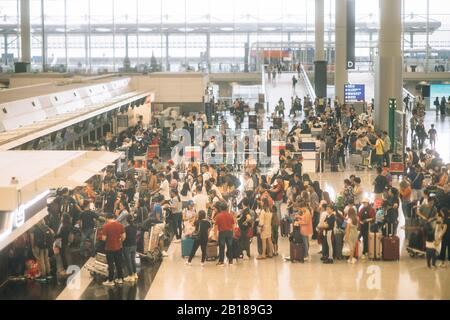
column 340, row 202
column 348, row 196
column 66, row 205
column 43, row 237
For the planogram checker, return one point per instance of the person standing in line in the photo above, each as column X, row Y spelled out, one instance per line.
column 306, row 227
column 129, row 249
column 225, row 225
column 294, row 83
column 202, row 227
column 432, row 135
column 113, row 235
column 245, row 224
column 265, row 230
column 351, row 233
column 176, row 207
column 327, row 242
column 366, row 216
column 379, row 152
column 386, row 148
column 445, row 245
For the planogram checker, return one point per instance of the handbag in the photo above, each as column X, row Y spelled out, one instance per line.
column 346, row 251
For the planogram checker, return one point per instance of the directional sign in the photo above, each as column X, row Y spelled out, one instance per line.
column 354, row 92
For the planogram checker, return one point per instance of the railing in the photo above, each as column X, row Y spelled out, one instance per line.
column 309, row 88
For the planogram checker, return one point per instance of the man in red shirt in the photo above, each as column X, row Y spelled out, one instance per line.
column 113, row 235
column 225, row 224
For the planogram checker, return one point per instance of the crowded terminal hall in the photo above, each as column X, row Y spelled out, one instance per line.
column 144, row 161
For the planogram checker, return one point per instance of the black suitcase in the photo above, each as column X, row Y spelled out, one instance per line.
column 297, row 252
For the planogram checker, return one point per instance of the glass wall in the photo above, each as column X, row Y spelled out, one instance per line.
column 175, row 35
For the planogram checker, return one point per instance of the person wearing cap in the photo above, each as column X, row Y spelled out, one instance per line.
column 225, row 225
column 366, row 216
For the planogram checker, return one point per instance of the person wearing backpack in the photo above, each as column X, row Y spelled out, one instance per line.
column 41, row 240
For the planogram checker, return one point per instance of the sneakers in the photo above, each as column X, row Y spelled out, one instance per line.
column 177, row 241
column 119, row 281
column 306, row 258
column 130, row 278
column 443, row 265
column 108, row 283
column 328, row 261
column 188, row 263
column 220, row 264
column 202, row 264
column 353, row 261
column 165, row 254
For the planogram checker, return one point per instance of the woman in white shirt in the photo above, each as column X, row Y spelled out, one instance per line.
column 185, row 194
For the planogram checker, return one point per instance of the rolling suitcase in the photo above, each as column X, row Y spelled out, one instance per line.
column 186, row 247
column 391, row 248
column 375, row 245
column 212, row 251
column 297, row 252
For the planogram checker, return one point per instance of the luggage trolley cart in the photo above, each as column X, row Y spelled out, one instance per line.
column 151, row 253
column 396, row 165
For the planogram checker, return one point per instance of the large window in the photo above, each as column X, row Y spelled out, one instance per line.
column 111, row 35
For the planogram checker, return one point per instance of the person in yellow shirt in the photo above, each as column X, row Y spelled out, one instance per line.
column 379, row 150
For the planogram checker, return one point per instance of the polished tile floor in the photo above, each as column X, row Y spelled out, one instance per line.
column 276, row 279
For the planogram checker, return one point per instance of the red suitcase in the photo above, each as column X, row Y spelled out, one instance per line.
column 297, row 252
column 391, row 248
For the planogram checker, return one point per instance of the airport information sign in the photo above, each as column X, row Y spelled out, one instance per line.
column 354, row 92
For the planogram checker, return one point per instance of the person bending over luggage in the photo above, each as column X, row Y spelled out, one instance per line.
column 202, row 227
column 327, row 243
column 366, row 216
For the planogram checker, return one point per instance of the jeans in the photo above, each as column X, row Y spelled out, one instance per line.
column 327, row 244
column 379, row 160
column 431, row 257
column 445, row 246
column 202, row 243
column 86, row 235
column 177, row 225
column 306, row 245
column 226, row 238
column 387, row 158
column 114, row 258
column 129, row 253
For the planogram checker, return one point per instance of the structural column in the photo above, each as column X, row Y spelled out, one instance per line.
column 25, row 31
column 320, row 64
column 208, row 51
column 340, row 70
column 167, row 53
column 388, row 75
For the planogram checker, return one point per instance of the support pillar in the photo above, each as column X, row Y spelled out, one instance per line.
column 25, row 31
column 320, row 64
column 5, row 39
column 388, row 75
column 340, row 73
column 208, row 51
column 167, row 53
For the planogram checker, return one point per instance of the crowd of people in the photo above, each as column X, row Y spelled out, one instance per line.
column 211, row 205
